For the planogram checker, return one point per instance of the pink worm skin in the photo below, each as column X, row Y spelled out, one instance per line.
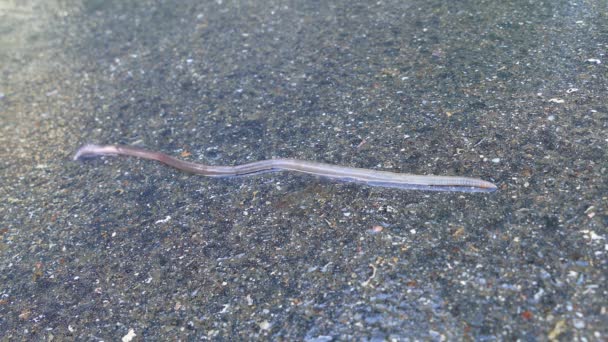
column 343, row 173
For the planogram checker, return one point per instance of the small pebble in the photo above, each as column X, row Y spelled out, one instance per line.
column 265, row 325
column 129, row 336
column 578, row 323
column 376, row 229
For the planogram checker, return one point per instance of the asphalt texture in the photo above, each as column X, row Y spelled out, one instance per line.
column 116, row 248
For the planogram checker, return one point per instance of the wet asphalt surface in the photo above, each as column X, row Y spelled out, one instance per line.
column 118, row 248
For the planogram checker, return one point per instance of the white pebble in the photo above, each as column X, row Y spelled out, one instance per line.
column 265, row 325
column 129, row 336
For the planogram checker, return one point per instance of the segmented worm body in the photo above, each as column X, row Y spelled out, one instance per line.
column 342, row 173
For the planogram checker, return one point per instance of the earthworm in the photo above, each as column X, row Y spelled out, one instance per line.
column 342, row 173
